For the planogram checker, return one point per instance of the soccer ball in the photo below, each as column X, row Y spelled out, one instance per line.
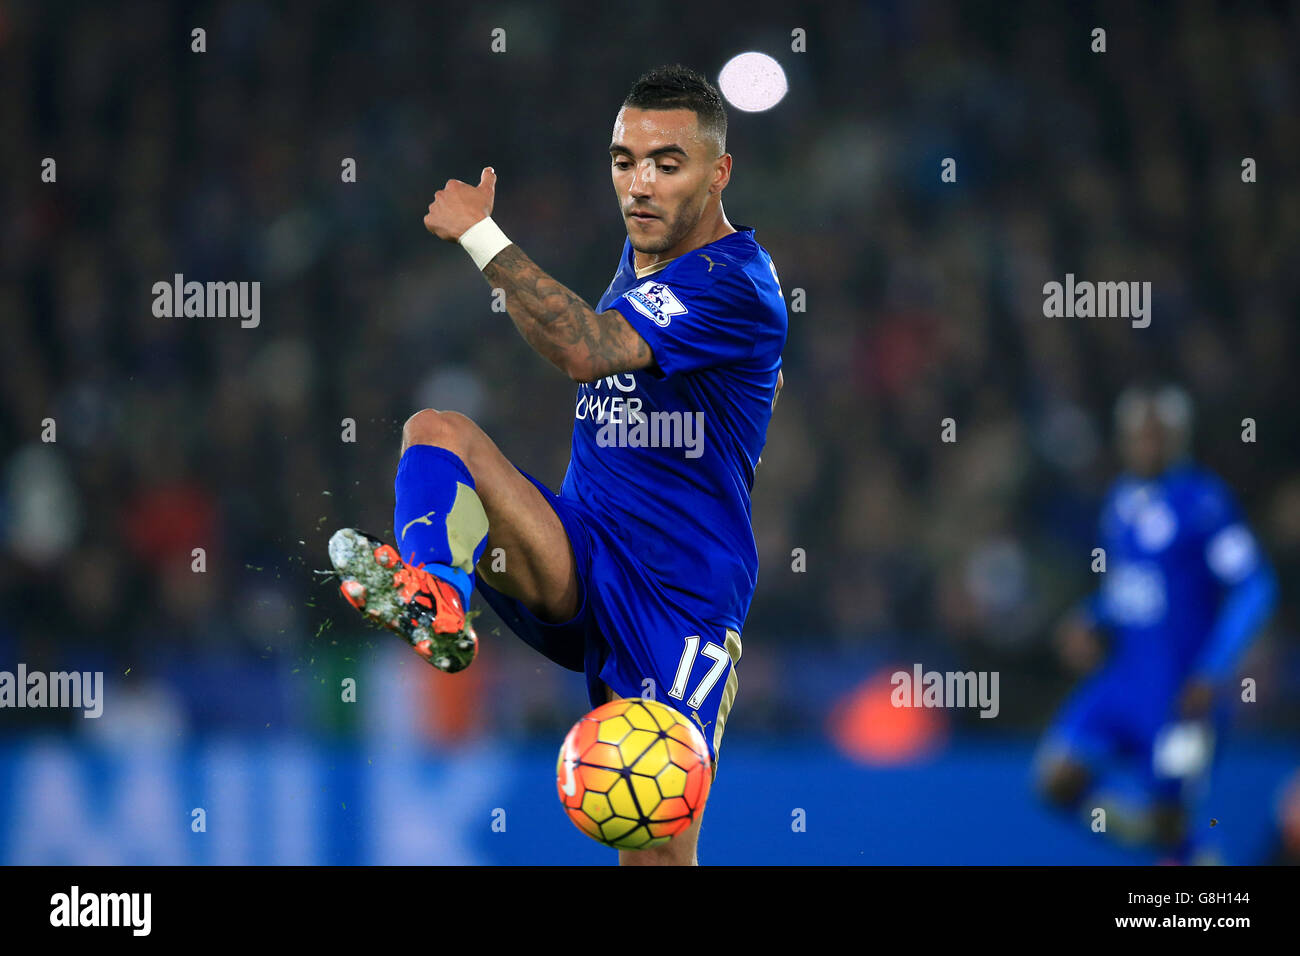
column 633, row 774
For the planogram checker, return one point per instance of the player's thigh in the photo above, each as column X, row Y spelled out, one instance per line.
column 528, row 555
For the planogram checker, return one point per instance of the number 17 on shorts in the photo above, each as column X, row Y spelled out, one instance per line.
column 705, row 682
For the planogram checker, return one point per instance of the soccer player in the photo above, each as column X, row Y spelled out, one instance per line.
column 643, row 566
column 1184, row 592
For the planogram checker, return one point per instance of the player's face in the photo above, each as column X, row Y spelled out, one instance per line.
column 1145, row 444
column 662, row 171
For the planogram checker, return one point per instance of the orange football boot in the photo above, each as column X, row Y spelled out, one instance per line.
column 404, row 598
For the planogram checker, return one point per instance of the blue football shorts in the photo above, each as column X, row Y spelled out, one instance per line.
column 628, row 633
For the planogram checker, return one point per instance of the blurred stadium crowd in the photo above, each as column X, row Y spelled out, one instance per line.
column 923, row 302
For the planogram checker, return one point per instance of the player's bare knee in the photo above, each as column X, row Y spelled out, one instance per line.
column 450, row 430
column 1063, row 784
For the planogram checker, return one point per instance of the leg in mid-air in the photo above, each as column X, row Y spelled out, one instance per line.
column 539, row 568
column 1065, row 781
column 454, row 490
column 1065, row 784
column 459, row 500
column 1078, row 741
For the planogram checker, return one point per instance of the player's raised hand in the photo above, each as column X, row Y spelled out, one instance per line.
column 458, row 205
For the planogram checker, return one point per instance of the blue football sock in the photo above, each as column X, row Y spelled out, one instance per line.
column 439, row 521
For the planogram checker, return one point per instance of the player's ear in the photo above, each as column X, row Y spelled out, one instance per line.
column 721, row 173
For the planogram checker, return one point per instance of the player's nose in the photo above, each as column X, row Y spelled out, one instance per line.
column 642, row 183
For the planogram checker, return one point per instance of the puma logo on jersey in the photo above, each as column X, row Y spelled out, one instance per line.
column 710, row 262
column 703, row 726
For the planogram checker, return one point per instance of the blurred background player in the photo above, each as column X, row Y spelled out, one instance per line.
column 1185, row 589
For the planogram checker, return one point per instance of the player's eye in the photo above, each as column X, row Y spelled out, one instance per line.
column 668, row 169
column 621, row 164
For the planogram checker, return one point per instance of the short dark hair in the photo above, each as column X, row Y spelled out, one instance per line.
column 678, row 87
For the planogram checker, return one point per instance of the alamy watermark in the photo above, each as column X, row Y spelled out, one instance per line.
column 75, row 689
column 208, row 300
column 623, row 423
column 683, row 430
column 130, row 910
column 1102, row 300
column 946, row 689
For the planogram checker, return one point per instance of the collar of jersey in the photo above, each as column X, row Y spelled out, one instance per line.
column 651, row 270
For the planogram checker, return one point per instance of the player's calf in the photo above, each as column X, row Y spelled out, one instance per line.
column 528, row 556
column 679, row 851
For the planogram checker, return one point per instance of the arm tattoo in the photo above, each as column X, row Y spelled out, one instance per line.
column 583, row 343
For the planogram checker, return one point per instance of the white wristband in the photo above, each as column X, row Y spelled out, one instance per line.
column 483, row 241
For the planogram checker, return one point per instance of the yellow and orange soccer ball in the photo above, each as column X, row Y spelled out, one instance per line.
column 633, row 773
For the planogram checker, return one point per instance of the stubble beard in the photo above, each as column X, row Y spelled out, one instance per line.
column 673, row 235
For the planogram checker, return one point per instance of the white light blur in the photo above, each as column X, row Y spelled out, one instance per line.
column 752, row 82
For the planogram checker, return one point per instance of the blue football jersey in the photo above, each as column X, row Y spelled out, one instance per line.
column 1176, row 546
column 665, row 455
